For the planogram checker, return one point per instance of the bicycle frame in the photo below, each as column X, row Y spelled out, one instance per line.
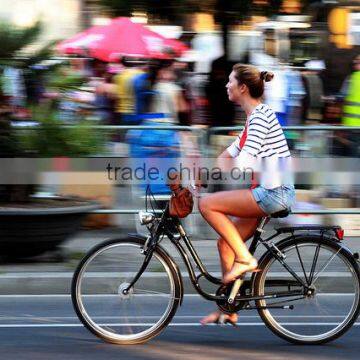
column 167, row 225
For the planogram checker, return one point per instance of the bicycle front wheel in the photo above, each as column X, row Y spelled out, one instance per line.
column 98, row 299
column 330, row 304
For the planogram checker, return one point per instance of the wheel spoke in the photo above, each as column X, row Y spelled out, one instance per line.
column 325, row 266
column 302, row 264
column 98, row 293
column 323, row 299
column 143, row 291
column 313, row 266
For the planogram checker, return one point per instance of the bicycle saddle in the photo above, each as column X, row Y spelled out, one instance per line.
column 281, row 214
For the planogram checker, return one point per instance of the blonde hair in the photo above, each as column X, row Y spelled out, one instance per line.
column 252, row 78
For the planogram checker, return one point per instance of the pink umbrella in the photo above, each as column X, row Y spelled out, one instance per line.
column 121, row 37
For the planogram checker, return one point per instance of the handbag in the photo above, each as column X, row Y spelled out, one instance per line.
column 181, row 201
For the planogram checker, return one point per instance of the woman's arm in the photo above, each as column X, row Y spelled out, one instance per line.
column 225, row 155
column 225, row 161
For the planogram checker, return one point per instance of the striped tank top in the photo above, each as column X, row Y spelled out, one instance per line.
column 264, row 140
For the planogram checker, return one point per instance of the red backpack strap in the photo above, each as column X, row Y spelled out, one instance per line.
column 243, row 137
column 254, row 182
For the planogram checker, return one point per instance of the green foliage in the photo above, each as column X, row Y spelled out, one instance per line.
column 13, row 38
column 169, row 10
column 43, row 53
column 61, row 82
column 238, row 10
column 8, row 141
column 172, row 10
column 120, row 7
column 51, row 138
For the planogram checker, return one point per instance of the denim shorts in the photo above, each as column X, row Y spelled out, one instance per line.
column 274, row 200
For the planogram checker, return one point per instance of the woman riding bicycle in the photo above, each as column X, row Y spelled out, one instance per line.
column 297, row 295
column 261, row 144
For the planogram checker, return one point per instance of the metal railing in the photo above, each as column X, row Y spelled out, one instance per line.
column 194, row 128
column 355, row 211
column 202, row 129
column 205, row 132
column 294, row 127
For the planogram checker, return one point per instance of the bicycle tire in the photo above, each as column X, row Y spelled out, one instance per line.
column 173, row 273
column 282, row 246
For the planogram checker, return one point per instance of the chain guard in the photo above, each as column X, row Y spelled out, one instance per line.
column 224, row 306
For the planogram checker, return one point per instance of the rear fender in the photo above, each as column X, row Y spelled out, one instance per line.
column 283, row 243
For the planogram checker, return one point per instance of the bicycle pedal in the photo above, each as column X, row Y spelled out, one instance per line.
column 221, row 320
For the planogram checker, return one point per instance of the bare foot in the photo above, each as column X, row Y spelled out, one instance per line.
column 211, row 318
column 214, row 318
column 239, row 268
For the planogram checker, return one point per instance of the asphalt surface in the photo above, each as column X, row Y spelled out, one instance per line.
column 48, row 275
column 46, row 327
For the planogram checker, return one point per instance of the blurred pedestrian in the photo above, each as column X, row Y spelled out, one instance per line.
column 221, row 111
column 14, row 87
column 184, row 77
column 105, row 99
column 125, row 107
column 351, row 109
column 160, row 148
column 168, row 96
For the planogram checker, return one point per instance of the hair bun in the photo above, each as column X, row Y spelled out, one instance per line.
column 266, row 76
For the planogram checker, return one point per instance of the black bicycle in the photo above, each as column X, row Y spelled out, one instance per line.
column 127, row 290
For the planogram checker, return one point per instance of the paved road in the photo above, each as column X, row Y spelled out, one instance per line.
column 45, row 327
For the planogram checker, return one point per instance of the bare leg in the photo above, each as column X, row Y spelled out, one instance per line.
column 216, row 209
column 246, row 228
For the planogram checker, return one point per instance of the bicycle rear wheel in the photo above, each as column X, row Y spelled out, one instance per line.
column 125, row 319
column 331, row 304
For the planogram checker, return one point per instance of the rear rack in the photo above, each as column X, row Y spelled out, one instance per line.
column 322, row 229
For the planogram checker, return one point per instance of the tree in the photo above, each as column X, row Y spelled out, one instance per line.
column 169, row 10
column 14, row 39
column 226, row 12
column 50, row 139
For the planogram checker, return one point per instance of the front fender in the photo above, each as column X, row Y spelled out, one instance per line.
column 164, row 253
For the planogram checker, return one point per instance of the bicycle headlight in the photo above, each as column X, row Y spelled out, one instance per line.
column 146, row 217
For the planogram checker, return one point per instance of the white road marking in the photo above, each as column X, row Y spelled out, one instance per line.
column 146, row 324
column 94, row 274
column 23, row 296
column 55, row 318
